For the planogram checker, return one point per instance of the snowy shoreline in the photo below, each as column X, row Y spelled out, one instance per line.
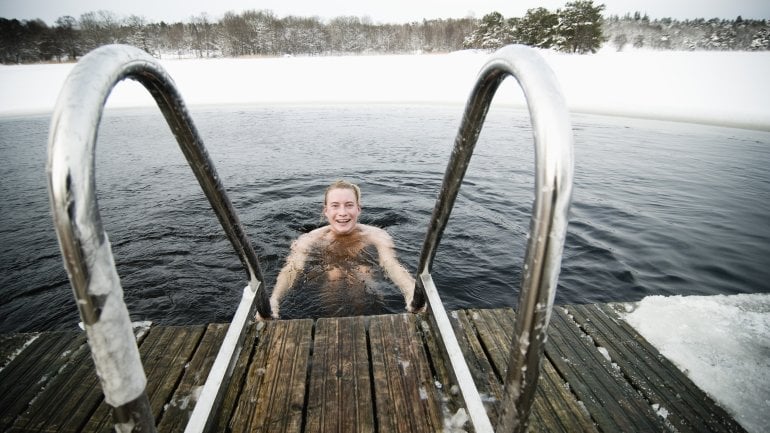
column 720, row 88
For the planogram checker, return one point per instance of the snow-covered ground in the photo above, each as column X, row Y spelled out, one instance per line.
column 729, row 88
column 722, row 343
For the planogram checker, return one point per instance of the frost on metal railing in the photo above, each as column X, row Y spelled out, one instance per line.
column 85, row 246
column 553, row 192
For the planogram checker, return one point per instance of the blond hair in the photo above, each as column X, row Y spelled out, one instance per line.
column 343, row 184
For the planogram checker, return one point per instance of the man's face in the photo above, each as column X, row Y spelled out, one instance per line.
column 342, row 210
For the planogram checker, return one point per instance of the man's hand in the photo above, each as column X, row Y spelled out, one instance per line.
column 274, row 307
column 273, row 310
column 411, row 309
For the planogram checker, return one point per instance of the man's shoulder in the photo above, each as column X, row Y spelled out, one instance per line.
column 310, row 237
column 320, row 231
column 367, row 229
column 376, row 235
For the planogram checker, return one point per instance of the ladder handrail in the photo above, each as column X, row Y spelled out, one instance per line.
column 84, row 244
column 554, row 169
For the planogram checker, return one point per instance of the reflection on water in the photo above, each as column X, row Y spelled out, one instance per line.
column 658, row 208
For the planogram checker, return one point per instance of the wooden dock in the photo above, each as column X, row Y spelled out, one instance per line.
column 364, row 374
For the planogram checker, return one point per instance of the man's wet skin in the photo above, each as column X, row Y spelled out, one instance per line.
column 343, row 271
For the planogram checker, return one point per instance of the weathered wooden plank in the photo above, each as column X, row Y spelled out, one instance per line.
column 274, row 393
column 446, row 388
column 285, row 413
column 238, row 379
column 165, row 362
column 71, row 397
column 406, row 399
column 487, row 381
column 70, row 391
column 611, row 400
column 495, row 330
column 688, row 408
column 30, row 370
column 554, row 408
column 178, row 410
column 11, row 345
column 165, row 351
column 340, row 393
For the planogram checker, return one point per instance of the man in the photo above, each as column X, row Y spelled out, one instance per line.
column 343, row 255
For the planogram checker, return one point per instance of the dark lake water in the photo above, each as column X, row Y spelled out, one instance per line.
column 658, row 208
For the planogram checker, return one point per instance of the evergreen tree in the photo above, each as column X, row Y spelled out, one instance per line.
column 37, row 43
column 538, row 28
column 761, row 40
column 493, row 32
column 580, row 27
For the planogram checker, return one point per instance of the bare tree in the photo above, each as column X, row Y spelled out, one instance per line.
column 67, row 34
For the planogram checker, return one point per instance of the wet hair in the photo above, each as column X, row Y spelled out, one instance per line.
column 342, row 184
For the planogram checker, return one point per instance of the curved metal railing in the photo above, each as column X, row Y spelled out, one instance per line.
column 84, row 244
column 553, row 191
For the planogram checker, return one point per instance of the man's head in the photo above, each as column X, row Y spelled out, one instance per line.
column 342, row 205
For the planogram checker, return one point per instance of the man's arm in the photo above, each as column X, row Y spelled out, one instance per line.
column 295, row 262
column 390, row 264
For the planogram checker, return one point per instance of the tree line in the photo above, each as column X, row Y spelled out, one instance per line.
column 639, row 31
column 249, row 33
column 577, row 27
column 580, row 28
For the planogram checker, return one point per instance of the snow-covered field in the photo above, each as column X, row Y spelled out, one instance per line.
column 722, row 343
column 728, row 88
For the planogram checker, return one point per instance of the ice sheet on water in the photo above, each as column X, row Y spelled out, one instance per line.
column 689, row 86
column 721, row 342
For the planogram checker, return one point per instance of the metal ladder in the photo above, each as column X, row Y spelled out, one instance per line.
column 86, row 249
column 99, row 295
column 554, row 169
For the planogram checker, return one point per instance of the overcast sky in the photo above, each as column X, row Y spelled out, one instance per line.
column 393, row 11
